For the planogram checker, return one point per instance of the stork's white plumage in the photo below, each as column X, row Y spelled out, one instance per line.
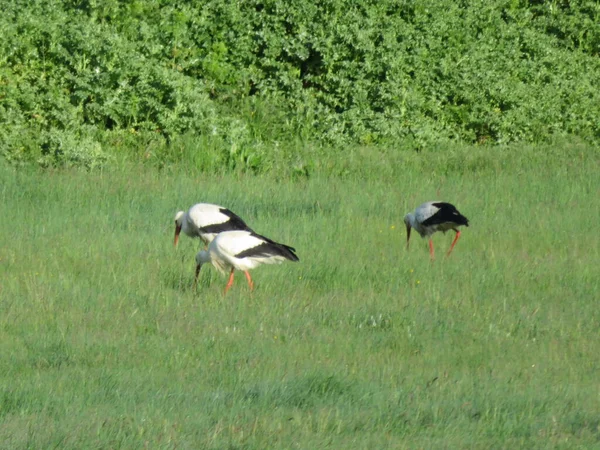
column 435, row 216
column 205, row 220
column 242, row 250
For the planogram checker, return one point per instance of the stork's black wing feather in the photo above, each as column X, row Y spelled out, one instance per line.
column 447, row 213
column 235, row 222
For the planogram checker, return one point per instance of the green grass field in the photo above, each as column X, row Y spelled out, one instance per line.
column 104, row 343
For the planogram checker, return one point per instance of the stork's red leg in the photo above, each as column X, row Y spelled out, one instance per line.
column 230, row 282
column 431, row 252
column 454, row 242
column 249, row 278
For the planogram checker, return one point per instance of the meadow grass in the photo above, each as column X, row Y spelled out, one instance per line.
column 362, row 344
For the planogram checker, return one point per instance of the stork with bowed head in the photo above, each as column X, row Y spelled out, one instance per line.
column 205, row 221
column 242, row 250
column 434, row 216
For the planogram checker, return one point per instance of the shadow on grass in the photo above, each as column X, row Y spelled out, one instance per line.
column 304, row 392
column 178, row 279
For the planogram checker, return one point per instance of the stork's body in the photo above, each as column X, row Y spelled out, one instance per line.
column 435, row 216
column 242, row 250
column 205, row 221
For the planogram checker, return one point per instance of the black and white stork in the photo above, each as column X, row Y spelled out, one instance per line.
column 242, row 250
column 205, row 220
column 435, row 216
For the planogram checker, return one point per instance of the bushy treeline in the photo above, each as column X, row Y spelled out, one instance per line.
column 83, row 79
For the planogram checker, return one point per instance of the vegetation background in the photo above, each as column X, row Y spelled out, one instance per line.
column 321, row 124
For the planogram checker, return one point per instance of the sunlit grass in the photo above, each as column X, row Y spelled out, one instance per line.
column 361, row 344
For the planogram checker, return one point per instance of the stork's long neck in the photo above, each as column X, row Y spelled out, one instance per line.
column 185, row 225
column 412, row 221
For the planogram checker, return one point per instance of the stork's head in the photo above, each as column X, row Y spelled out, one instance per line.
column 408, row 221
column 178, row 223
column 202, row 257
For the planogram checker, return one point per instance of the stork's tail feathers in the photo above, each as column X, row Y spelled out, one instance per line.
column 270, row 248
column 284, row 250
column 290, row 252
column 461, row 220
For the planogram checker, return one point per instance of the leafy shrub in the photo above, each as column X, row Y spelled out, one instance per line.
column 245, row 77
column 66, row 149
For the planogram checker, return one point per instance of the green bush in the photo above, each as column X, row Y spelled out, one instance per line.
column 67, row 149
column 334, row 72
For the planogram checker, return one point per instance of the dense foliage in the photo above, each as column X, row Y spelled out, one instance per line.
column 81, row 80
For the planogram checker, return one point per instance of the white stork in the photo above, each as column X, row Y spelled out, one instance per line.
column 434, row 216
column 242, row 250
column 205, row 220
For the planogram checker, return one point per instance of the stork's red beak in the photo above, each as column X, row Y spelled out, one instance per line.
column 408, row 228
column 198, row 266
column 177, row 231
